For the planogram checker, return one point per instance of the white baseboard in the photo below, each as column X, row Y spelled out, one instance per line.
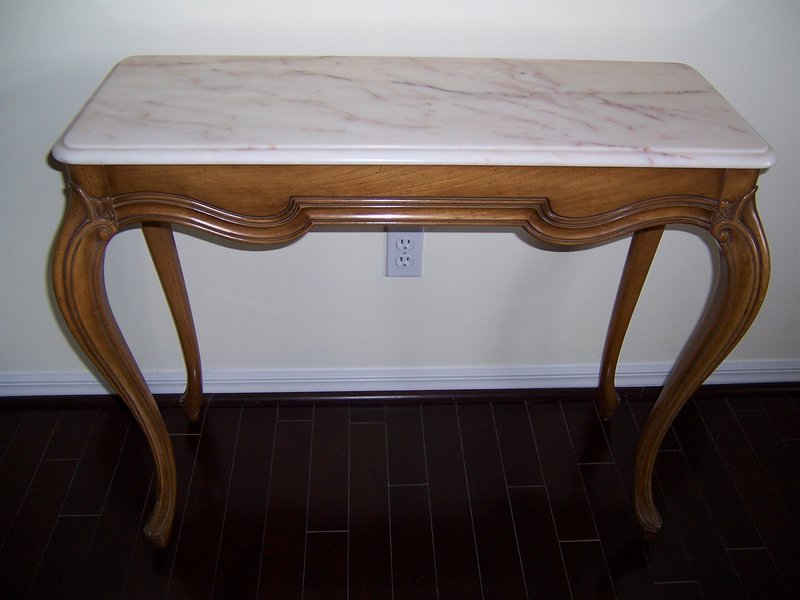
column 379, row 379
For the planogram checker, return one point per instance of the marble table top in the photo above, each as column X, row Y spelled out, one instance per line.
column 333, row 110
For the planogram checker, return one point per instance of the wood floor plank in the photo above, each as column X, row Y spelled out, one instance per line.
column 586, row 432
column 568, row 499
column 295, row 412
column 20, row 460
column 758, row 574
column 404, row 516
column 119, row 525
column 9, row 422
column 498, row 554
column 785, row 414
column 239, row 561
column 370, row 568
column 89, row 489
column 457, row 568
column 714, row 480
column 587, row 571
column 775, row 458
column 283, row 551
column 70, row 434
column 325, row 576
column 685, row 590
column 60, row 572
column 29, row 535
column 794, row 449
column 542, row 563
column 745, row 403
column 194, row 566
column 406, row 447
column 367, row 412
column 328, row 483
column 619, row 536
column 706, row 549
column 517, row 447
column 763, row 503
column 413, row 567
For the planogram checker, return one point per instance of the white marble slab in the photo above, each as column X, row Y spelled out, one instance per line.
column 329, row 110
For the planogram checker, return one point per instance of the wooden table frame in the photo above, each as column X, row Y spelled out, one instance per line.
column 273, row 204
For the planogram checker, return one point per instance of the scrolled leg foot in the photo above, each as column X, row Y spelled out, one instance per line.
column 159, row 526
column 647, row 515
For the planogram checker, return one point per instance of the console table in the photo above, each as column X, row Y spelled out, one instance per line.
column 263, row 149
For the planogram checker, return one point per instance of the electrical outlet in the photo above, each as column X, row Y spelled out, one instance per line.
column 404, row 252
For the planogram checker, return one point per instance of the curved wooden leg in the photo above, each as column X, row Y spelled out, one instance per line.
column 640, row 256
column 161, row 244
column 742, row 285
column 80, row 291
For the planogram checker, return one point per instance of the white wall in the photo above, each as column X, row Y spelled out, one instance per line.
column 489, row 305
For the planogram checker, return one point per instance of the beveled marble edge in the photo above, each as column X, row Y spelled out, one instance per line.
column 166, row 110
column 424, row 156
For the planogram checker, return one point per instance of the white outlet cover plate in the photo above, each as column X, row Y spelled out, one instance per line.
column 404, row 252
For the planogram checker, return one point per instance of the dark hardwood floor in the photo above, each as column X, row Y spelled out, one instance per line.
column 470, row 495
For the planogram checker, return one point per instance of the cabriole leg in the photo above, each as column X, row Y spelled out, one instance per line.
column 161, row 244
column 80, row 291
column 744, row 274
column 640, row 256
